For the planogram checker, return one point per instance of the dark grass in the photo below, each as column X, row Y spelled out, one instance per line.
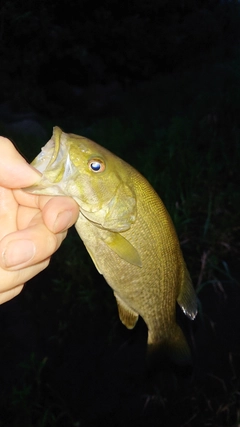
column 65, row 358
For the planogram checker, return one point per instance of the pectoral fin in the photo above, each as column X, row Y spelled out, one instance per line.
column 127, row 315
column 187, row 298
column 123, row 248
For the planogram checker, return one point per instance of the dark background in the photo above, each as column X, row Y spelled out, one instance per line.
column 158, row 83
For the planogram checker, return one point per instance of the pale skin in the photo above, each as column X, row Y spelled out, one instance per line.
column 32, row 227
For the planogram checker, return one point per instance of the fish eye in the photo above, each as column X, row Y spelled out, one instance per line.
column 96, row 165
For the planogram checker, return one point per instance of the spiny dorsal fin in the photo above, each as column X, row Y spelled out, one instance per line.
column 127, row 315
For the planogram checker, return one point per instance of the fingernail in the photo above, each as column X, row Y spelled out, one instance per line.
column 18, row 252
column 63, row 221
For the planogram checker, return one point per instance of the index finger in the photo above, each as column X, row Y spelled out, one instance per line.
column 15, row 172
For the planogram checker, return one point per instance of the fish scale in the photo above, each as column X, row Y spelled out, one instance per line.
column 128, row 234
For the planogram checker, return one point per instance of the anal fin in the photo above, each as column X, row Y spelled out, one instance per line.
column 127, row 315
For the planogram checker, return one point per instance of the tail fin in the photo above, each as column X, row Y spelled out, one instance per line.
column 174, row 347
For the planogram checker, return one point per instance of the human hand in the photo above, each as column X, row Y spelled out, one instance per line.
column 32, row 227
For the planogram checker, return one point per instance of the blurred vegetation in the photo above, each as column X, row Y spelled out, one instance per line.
column 177, row 122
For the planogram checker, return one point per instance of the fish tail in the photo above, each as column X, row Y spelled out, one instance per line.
column 173, row 347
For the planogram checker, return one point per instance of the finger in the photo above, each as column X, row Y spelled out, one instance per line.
column 25, row 216
column 30, row 246
column 12, row 293
column 59, row 212
column 15, row 172
column 10, row 280
column 8, row 212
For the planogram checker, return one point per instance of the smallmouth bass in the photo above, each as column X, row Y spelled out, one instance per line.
column 128, row 233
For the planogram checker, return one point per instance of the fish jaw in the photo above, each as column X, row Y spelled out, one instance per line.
column 58, row 171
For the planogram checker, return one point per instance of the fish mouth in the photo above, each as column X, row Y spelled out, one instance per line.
column 45, row 157
column 55, row 166
column 60, row 177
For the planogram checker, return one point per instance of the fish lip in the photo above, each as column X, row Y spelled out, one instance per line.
column 52, row 153
column 51, row 157
column 44, row 158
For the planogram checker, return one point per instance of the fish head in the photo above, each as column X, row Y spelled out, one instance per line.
column 98, row 180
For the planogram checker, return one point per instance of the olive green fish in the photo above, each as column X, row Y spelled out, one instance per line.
column 128, row 234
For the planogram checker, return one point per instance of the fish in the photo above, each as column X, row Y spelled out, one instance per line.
column 129, row 235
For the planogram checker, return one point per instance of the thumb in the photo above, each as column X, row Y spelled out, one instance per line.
column 15, row 172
